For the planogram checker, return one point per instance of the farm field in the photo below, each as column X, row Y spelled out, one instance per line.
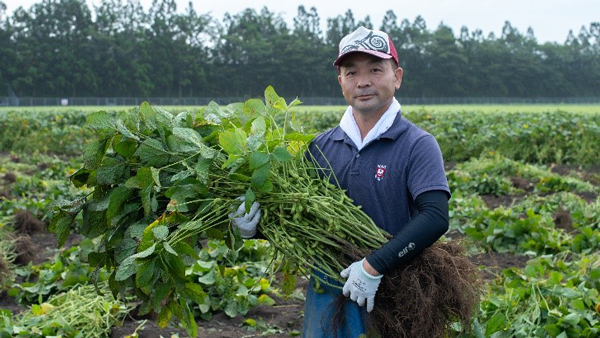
column 539, row 108
column 525, row 205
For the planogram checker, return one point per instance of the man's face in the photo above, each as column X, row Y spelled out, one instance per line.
column 368, row 83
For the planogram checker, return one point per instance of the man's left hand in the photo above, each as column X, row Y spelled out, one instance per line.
column 360, row 286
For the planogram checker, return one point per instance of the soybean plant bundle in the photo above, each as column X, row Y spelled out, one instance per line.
column 159, row 180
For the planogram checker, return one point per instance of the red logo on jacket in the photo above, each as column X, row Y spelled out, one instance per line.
column 380, row 171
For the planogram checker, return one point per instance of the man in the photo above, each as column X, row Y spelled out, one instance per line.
column 390, row 167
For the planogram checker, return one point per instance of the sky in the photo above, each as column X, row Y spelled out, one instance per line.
column 551, row 20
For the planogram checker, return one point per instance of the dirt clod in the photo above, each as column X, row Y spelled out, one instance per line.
column 25, row 249
column 562, row 220
column 26, row 223
column 9, row 177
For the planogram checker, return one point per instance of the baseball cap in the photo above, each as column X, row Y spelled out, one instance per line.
column 368, row 41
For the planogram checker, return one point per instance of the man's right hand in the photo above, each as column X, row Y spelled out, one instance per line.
column 246, row 222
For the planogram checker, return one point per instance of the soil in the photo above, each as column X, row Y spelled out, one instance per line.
column 562, row 220
column 495, row 262
column 284, row 317
column 493, row 201
column 9, row 177
column 590, row 174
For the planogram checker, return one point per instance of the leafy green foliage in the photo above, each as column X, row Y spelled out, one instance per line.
column 74, row 313
column 159, row 181
column 552, row 297
column 68, row 269
column 223, row 287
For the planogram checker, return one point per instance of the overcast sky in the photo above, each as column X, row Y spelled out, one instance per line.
column 551, row 20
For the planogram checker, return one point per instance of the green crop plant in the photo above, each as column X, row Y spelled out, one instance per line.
column 159, row 181
column 554, row 296
column 79, row 312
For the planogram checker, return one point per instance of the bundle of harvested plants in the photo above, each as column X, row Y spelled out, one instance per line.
column 160, row 181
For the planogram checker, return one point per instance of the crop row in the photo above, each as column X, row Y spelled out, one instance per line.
column 550, row 137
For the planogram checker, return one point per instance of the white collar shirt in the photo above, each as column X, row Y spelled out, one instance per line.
column 349, row 126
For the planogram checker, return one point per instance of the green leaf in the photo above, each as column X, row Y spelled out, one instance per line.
column 60, row 225
column 126, row 248
column 202, row 169
column 118, row 196
column 81, row 177
column 124, row 131
column 208, row 279
column 125, row 147
column 186, row 249
column 281, row 154
column 145, row 253
column 250, row 322
column 260, row 175
column 242, row 291
column 265, row 300
column 102, row 123
column 169, row 249
column 126, row 269
column 572, row 318
column 295, row 102
column 213, row 113
column 249, row 198
column 271, row 97
column 496, row 323
column 253, row 107
column 155, row 118
column 145, row 273
column 231, row 309
column 267, row 187
column 164, row 317
column 160, row 232
column 188, row 320
column 299, row 137
column 175, row 265
column 182, row 175
column 94, row 223
column 258, row 159
column 93, row 153
column 257, row 133
column 233, row 141
column 112, row 171
column 152, row 153
column 161, row 292
column 187, row 140
column 194, row 292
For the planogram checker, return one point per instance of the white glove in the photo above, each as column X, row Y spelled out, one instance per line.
column 246, row 222
column 360, row 285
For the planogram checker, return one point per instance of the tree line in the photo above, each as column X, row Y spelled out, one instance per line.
column 65, row 48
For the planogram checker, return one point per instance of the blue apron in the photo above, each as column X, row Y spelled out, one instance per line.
column 319, row 308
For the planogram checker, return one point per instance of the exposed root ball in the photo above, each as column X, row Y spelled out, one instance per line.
column 26, row 223
column 422, row 299
column 10, row 177
column 25, row 249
